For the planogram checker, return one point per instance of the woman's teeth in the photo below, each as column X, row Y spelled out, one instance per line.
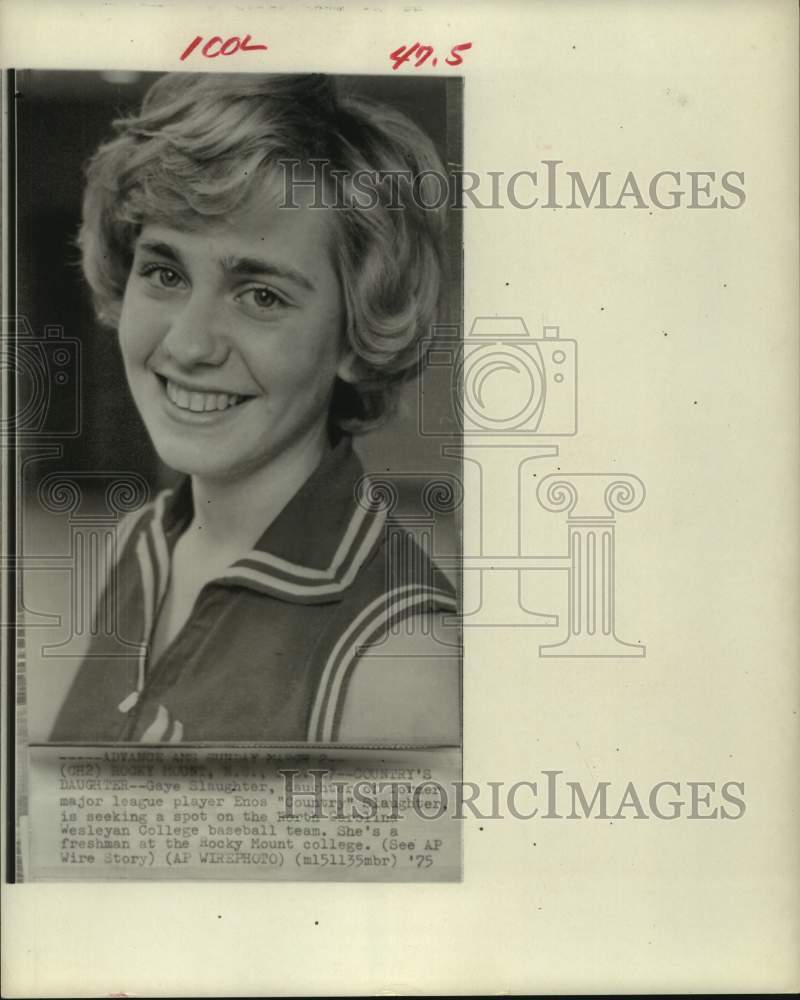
column 201, row 402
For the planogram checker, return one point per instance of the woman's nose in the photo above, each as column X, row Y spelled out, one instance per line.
column 195, row 335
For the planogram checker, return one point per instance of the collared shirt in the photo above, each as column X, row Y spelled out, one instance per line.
column 271, row 643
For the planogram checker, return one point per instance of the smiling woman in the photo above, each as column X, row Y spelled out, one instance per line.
column 258, row 334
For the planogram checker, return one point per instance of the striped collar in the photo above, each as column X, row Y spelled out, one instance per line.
column 313, row 550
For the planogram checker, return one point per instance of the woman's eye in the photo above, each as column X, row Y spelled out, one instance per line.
column 161, row 276
column 261, row 298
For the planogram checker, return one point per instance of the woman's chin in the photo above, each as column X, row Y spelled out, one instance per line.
column 203, row 466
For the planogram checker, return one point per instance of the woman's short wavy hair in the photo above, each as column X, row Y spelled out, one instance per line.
column 203, row 144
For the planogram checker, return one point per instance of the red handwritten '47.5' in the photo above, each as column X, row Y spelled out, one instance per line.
column 424, row 52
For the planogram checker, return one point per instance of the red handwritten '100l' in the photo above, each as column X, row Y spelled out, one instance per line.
column 223, row 48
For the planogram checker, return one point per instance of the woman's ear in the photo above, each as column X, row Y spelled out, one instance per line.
column 347, row 368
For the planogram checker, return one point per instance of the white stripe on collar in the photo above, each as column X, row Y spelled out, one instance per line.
column 160, row 546
column 313, row 582
column 269, row 561
column 362, row 630
column 154, row 576
column 263, row 570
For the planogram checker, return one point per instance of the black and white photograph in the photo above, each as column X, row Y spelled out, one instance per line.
column 248, row 273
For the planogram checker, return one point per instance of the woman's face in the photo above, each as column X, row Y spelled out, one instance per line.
column 232, row 337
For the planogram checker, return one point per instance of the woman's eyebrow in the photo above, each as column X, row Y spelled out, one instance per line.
column 160, row 250
column 247, row 266
column 253, row 266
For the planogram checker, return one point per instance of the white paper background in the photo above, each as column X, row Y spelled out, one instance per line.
column 707, row 569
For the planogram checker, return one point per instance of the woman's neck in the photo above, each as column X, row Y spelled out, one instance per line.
column 233, row 514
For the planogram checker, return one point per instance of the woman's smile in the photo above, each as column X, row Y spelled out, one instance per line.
column 200, row 400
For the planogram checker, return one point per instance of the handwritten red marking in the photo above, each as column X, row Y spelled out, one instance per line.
column 422, row 53
column 248, row 47
column 216, row 46
column 401, row 54
column 207, row 47
column 191, row 47
column 456, row 59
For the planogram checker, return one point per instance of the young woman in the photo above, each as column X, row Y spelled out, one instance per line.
column 268, row 303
